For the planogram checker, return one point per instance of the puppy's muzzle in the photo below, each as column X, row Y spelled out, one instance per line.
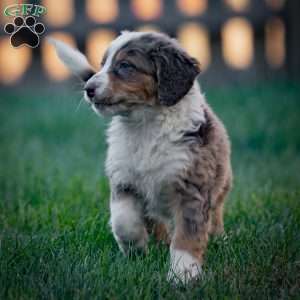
column 90, row 89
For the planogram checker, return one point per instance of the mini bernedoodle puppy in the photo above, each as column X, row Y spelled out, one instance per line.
column 168, row 159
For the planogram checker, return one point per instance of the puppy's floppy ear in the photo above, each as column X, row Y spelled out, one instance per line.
column 73, row 59
column 176, row 72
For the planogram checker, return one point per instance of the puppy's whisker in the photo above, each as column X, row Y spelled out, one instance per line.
column 79, row 104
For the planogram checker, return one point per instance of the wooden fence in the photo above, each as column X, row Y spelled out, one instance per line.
column 234, row 40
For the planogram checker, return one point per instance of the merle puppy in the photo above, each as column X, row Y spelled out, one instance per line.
column 168, row 159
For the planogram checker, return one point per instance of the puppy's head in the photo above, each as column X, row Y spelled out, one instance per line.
column 138, row 70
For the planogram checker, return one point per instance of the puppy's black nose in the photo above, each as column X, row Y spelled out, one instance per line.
column 90, row 91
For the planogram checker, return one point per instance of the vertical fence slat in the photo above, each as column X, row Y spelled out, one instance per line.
column 293, row 38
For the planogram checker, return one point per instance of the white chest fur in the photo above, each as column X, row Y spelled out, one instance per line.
column 144, row 150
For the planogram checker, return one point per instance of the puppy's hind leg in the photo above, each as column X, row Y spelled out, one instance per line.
column 159, row 230
column 127, row 223
column 217, row 223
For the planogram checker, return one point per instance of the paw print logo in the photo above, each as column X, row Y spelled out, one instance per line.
column 24, row 32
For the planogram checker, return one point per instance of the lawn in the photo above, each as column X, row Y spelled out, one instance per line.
column 55, row 242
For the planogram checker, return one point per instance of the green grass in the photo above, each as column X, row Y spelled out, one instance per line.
column 55, row 242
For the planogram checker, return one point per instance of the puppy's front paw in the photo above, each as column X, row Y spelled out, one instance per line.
column 184, row 267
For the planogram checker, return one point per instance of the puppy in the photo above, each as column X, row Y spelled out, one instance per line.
column 168, row 159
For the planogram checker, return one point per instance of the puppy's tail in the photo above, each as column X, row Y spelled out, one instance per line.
column 73, row 59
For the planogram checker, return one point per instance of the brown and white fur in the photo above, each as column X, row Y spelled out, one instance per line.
column 168, row 158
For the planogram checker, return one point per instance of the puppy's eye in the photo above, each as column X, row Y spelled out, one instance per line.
column 125, row 69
